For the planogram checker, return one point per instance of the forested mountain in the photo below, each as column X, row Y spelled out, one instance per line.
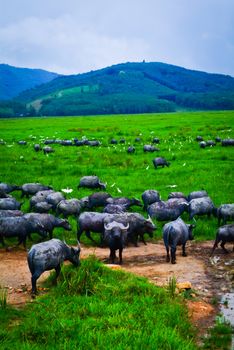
column 131, row 88
column 14, row 80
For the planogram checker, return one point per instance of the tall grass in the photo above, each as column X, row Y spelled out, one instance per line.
column 112, row 310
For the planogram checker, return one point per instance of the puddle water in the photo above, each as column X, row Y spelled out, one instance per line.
column 227, row 309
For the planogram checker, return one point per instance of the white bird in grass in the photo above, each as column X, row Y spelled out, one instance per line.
column 119, row 190
column 113, row 184
column 171, row 186
column 67, row 190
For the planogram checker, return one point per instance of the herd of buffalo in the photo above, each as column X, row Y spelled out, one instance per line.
column 115, row 224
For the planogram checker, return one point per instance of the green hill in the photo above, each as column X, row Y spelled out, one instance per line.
column 14, row 80
column 131, row 88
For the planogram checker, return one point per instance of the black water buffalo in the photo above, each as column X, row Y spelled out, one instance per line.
column 155, row 140
column 6, row 213
column 124, row 201
column 138, row 226
column 42, row 207
column 54, row 198
column 9, row 188
column 218, row 139
column 91, row 182
column 48, row 222
column 197, row 194
column 69, row 207
column 149, row 148
column 210, row 143
column 113, row 142
column 47, row 150
column 98, row 199
column 202, row 144
column 22, row 143
column 50, row 142
column 122, row 141
column 20, row 227
column 150, row 197
column 176, row 233
column 115, row 237
column 227, row 142
column 164, row 211
column 50, row 255
column 10, row 204
column 199, row 138
column 39, row 197
column 91, row 222
column 225, row 213
column 159, row 161
column 37, row 147
column 66, row 143
column 131, row 149
column 31, row 189
column 114, row 209
column 177, row 195
column 224, row 234
column 201, row 206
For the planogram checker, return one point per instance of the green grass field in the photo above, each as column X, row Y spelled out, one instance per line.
column 191, row 168
column 93, row 307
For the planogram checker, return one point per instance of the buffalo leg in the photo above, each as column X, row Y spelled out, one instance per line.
column 173, row 255
column 112, row 256
column 57, row 270
column 183, row 250
column 120, row 256
column 89, row 236
column 224, row 249
column 34, row 279
column 168, row 255
column 215, row 246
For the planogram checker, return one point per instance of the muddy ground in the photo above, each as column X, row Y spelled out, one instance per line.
column 210, row 278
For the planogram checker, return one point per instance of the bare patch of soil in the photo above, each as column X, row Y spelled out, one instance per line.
column 210, row 278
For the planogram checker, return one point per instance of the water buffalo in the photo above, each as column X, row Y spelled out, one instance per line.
column 149, row 148
column 54, row 198
column 202, row 144
column 197, row 194
column 201, row 206
column 138, row 226
column 156, row 140
column 149, row 197
column 176, row 233
column 124, row 201
column 47, row 150
column 39, row 197
column 50, row 255
column 122, row 141
column 113, row 142
column 70, row 207
column 114, row 209
column 131, row 149
column 159, row 161
column 169, row 210
column 224, row 234
column 37, row 147
column 227, row 142
column 210, row 143
column 98, row 199
column 22, row 143
column 6, row 213
column 9, row 204
column 91, row 222
column 20, row 227
column 199, row 138
column 42, row 207
column 218, row 139
column 91, row 182
column 177, row 195
column 30, row 189
column 48, row 222
column 9, row 188
column 226, row 213
column 115, row 236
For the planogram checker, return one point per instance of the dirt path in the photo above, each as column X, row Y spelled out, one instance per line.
column 209, row 278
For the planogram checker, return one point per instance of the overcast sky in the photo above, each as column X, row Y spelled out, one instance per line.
column 74, row 36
